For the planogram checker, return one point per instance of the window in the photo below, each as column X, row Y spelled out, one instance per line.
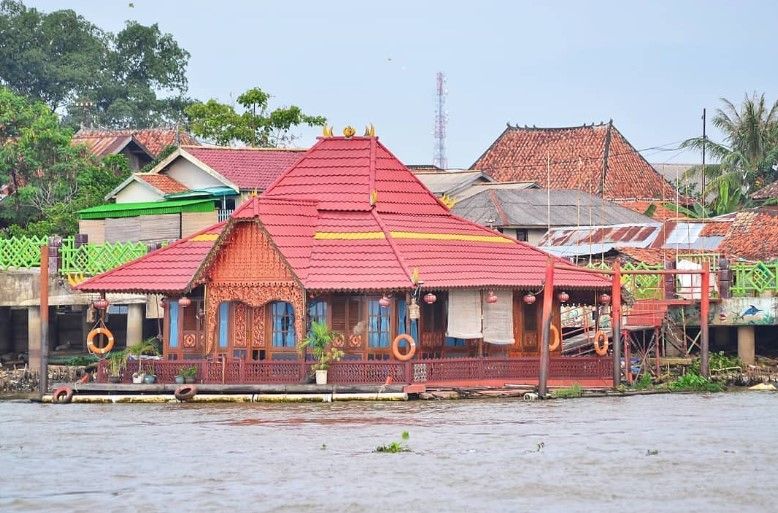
column 317, row 312
column 378, row 325
column 455, row 342
column 224, row 323
column 173, row 320
column 347, row 316
column 521, row 235
column 530, row 315
column 282, row 324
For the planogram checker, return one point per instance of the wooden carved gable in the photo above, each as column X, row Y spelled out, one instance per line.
column 249, row 256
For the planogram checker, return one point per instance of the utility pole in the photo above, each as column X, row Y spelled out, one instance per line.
column 704, row 140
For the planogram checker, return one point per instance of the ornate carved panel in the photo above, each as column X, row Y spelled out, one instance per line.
column 248, row 256
column 258, row 327
column 239, row 325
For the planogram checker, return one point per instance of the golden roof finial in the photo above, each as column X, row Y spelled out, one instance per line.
column 327, row 131
column 370, row 130
column 349, row 132
column 415, row 275
column 373, row 197
column 448, row 201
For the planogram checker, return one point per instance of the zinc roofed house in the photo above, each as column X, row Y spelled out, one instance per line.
column 596, row 159
column 194, row 187
column 350, row 237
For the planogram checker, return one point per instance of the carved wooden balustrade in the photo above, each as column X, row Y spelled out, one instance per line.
column 371, row 372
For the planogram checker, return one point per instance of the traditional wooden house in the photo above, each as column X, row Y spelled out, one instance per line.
column 349, row 236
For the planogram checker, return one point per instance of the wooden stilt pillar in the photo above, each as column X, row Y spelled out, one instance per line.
column 616, row 322
column 44, row 319
column 704, row 309
column 548, row 303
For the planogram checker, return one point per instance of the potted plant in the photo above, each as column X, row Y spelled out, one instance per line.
column 179, row 379
column 319, row 340
column 117, row 361
column 146, row 347
column 189, row 374
column 149, row 378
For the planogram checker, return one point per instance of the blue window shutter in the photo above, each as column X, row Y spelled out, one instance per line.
column 173, row 319
column 224, row 313
column 290, row 333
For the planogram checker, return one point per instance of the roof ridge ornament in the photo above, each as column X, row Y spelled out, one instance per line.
column 327, row 131
column 349, row 131
column 370, row 130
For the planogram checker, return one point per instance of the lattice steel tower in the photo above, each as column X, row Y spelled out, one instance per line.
column 441, row 118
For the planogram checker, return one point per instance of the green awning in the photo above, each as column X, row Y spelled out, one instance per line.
column 112, row 210
column 216, row 192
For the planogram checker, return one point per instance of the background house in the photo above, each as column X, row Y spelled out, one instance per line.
column 139, row 146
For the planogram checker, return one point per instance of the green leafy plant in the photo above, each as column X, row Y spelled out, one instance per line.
column 643, row 382
column 319, row 341
column 395, row 447
column 188, row 372
column 574, row 390
column 117, row 362
column 82, row 360
column 148, row 347
column 694, row 382
column 717, row 362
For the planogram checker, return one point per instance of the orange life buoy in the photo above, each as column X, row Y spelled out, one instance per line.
column 601, row 349
column 90, row 344
column 396, row 347
column 63, row 395
column 556, row 340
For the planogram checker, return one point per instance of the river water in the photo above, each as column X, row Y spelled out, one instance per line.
column 679, row 453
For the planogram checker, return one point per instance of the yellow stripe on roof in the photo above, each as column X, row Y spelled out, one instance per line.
column 205, row 237
column 463, row 237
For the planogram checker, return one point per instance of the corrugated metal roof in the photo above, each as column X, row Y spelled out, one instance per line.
column 529, row 208
column 450, row 182
column 113, row 210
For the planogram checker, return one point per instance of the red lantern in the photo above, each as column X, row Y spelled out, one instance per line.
column 430, row 298
column 529, row 298
column 605, row 299
column 184, row 302
column 564, row 297
column 385, row 301
column 491, row 298
column 101, row 304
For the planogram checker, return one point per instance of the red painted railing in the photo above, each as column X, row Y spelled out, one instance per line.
column 372, row 372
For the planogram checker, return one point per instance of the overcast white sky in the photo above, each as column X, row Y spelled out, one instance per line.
column 651, row 66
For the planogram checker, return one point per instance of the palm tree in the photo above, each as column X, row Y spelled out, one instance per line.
column 748, row 155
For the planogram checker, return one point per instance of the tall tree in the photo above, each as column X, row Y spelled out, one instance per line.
column 256, row 125
column 49, row 178
column 134, row 78
column 747, row 158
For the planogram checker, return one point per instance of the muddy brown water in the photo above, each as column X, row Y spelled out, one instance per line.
column 679, row 453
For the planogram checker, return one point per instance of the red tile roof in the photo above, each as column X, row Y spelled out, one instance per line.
column 108, row 142
column 661, row 212
column 164, row 271
column 162, row 183
column 320, row 217
column 578, row 159
column 753, row 235
column 768, row 192
column 248, row 168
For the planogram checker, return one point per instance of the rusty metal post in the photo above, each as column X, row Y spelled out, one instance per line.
column 616, row 322
column 43, row 383
column 704, row 309
column 548, row 302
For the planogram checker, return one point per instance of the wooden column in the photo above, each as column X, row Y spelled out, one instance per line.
column 616, row 322
column 548, row 299
column 704, row 309
column 44, row 322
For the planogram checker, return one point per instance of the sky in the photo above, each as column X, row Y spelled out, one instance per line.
column 650, row 66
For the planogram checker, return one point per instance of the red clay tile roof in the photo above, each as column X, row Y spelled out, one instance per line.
column 162, row 183
column 753, row 235
column 715, row 228
column 661, row 211
column 108, row 142
column 164, row 271
column 320, row 217
column 248, row 168
column 577, row 162
column 768, row 192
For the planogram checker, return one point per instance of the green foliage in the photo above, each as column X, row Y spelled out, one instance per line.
column 82, row 360
column 748, row 156
column 694, row 382
column 96, row 77
column 319, row 341
column 717, row 362
column 117, row 362
column 188, row 372
column 574, row 390
column 395, row 447
column 644, row 382
column 256, row 125
column 52, row 178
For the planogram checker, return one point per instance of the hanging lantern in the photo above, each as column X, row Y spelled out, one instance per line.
column 529, row 298
column 564, row 297
column 184, row 302
column 414, row 312
column 605, row 299
column 385, row 301
column 491, row 297
column 101, row 304
column 430, row 298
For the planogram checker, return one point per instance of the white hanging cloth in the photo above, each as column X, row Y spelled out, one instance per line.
column 464, row 314
column 498, row 318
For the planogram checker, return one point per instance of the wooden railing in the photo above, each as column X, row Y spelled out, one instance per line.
column 370, row 372
column 753, row 279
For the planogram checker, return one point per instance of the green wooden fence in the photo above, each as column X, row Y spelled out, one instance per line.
column 753, row 279
column 21, row 252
